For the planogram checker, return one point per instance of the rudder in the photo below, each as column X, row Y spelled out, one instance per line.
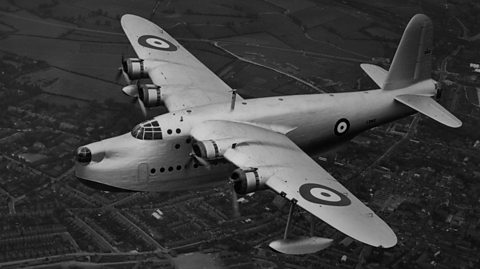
column 413, row 59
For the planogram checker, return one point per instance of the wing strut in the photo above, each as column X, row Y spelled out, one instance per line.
column 234, row 98
column 289, row 218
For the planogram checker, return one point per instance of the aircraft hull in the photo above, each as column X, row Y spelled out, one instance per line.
column 316, row 123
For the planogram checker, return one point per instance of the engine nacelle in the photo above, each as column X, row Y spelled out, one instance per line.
column 247, row 181
column 135, row 68
column 208, row 149
column 211, row 150
column 150, row 94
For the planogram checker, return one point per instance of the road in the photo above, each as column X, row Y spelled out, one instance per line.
column 60, row 25
column 270, row 68
column 412, row 129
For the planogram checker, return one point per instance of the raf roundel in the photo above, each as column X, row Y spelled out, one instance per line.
column 319, row 194
column 157, row 43
column 341, row 127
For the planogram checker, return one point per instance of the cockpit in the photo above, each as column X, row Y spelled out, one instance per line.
column 149, row 130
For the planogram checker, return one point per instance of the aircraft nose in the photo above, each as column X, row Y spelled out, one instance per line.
column 84, row 155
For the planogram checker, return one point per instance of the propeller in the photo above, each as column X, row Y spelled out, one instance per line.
column 122, row 73
column 440, row 84
column 132, row 90
column 142, row 107
column 194, row 157
column 235, row 207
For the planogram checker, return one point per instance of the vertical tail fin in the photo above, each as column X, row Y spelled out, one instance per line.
column 412, row 66
column 413, row 60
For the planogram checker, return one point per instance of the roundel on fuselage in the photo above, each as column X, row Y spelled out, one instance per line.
column 341, row 127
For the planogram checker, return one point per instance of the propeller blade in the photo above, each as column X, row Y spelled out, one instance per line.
column 126, row 77
column 142, row 107
column 200, row 160
column 235, row 207
column 119, row 74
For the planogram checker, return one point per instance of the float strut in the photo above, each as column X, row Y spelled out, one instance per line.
column 289, row 218
column 234, row 97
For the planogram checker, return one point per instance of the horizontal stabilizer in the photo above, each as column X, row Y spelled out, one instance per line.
column 429, row 107
column 376, row 73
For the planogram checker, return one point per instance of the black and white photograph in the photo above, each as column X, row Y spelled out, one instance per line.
column 212, row 134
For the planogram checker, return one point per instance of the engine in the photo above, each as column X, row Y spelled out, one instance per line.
column 247, row 181
column 211, row 150
column 150, row 94
column 135, row 68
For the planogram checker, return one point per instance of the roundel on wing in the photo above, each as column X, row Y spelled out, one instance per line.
column 156, row 43
column 341, row 127
column 319, row 194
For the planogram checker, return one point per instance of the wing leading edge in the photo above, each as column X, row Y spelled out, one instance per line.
column 184, row 80
column 298, row 177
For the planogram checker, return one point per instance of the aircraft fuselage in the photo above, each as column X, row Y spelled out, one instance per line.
column 315, row 122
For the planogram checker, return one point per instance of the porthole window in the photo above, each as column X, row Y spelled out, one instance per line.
column 177, row 146
column 162, row 170
column 179, row 167
column 281, row 99
column 152, row 171
column 169, row 131
column 178, row 130
column 170, row 169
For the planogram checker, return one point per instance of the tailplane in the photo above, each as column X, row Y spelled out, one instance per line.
column 429, row 107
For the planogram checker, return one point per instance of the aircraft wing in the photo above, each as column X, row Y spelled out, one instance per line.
column 185, row 81
column 299, row 177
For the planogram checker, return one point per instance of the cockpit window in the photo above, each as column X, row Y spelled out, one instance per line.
column 149, row 130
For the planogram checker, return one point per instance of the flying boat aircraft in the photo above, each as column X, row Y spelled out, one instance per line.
column 211, row 134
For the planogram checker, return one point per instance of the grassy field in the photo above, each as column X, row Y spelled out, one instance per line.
column 292, row 6
column 314, row 16
column 84, row 43
column 67, row 84
column 26, row 23
column 60, row 100
column 210, row 31
column 264, row 39
column 210, row 56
